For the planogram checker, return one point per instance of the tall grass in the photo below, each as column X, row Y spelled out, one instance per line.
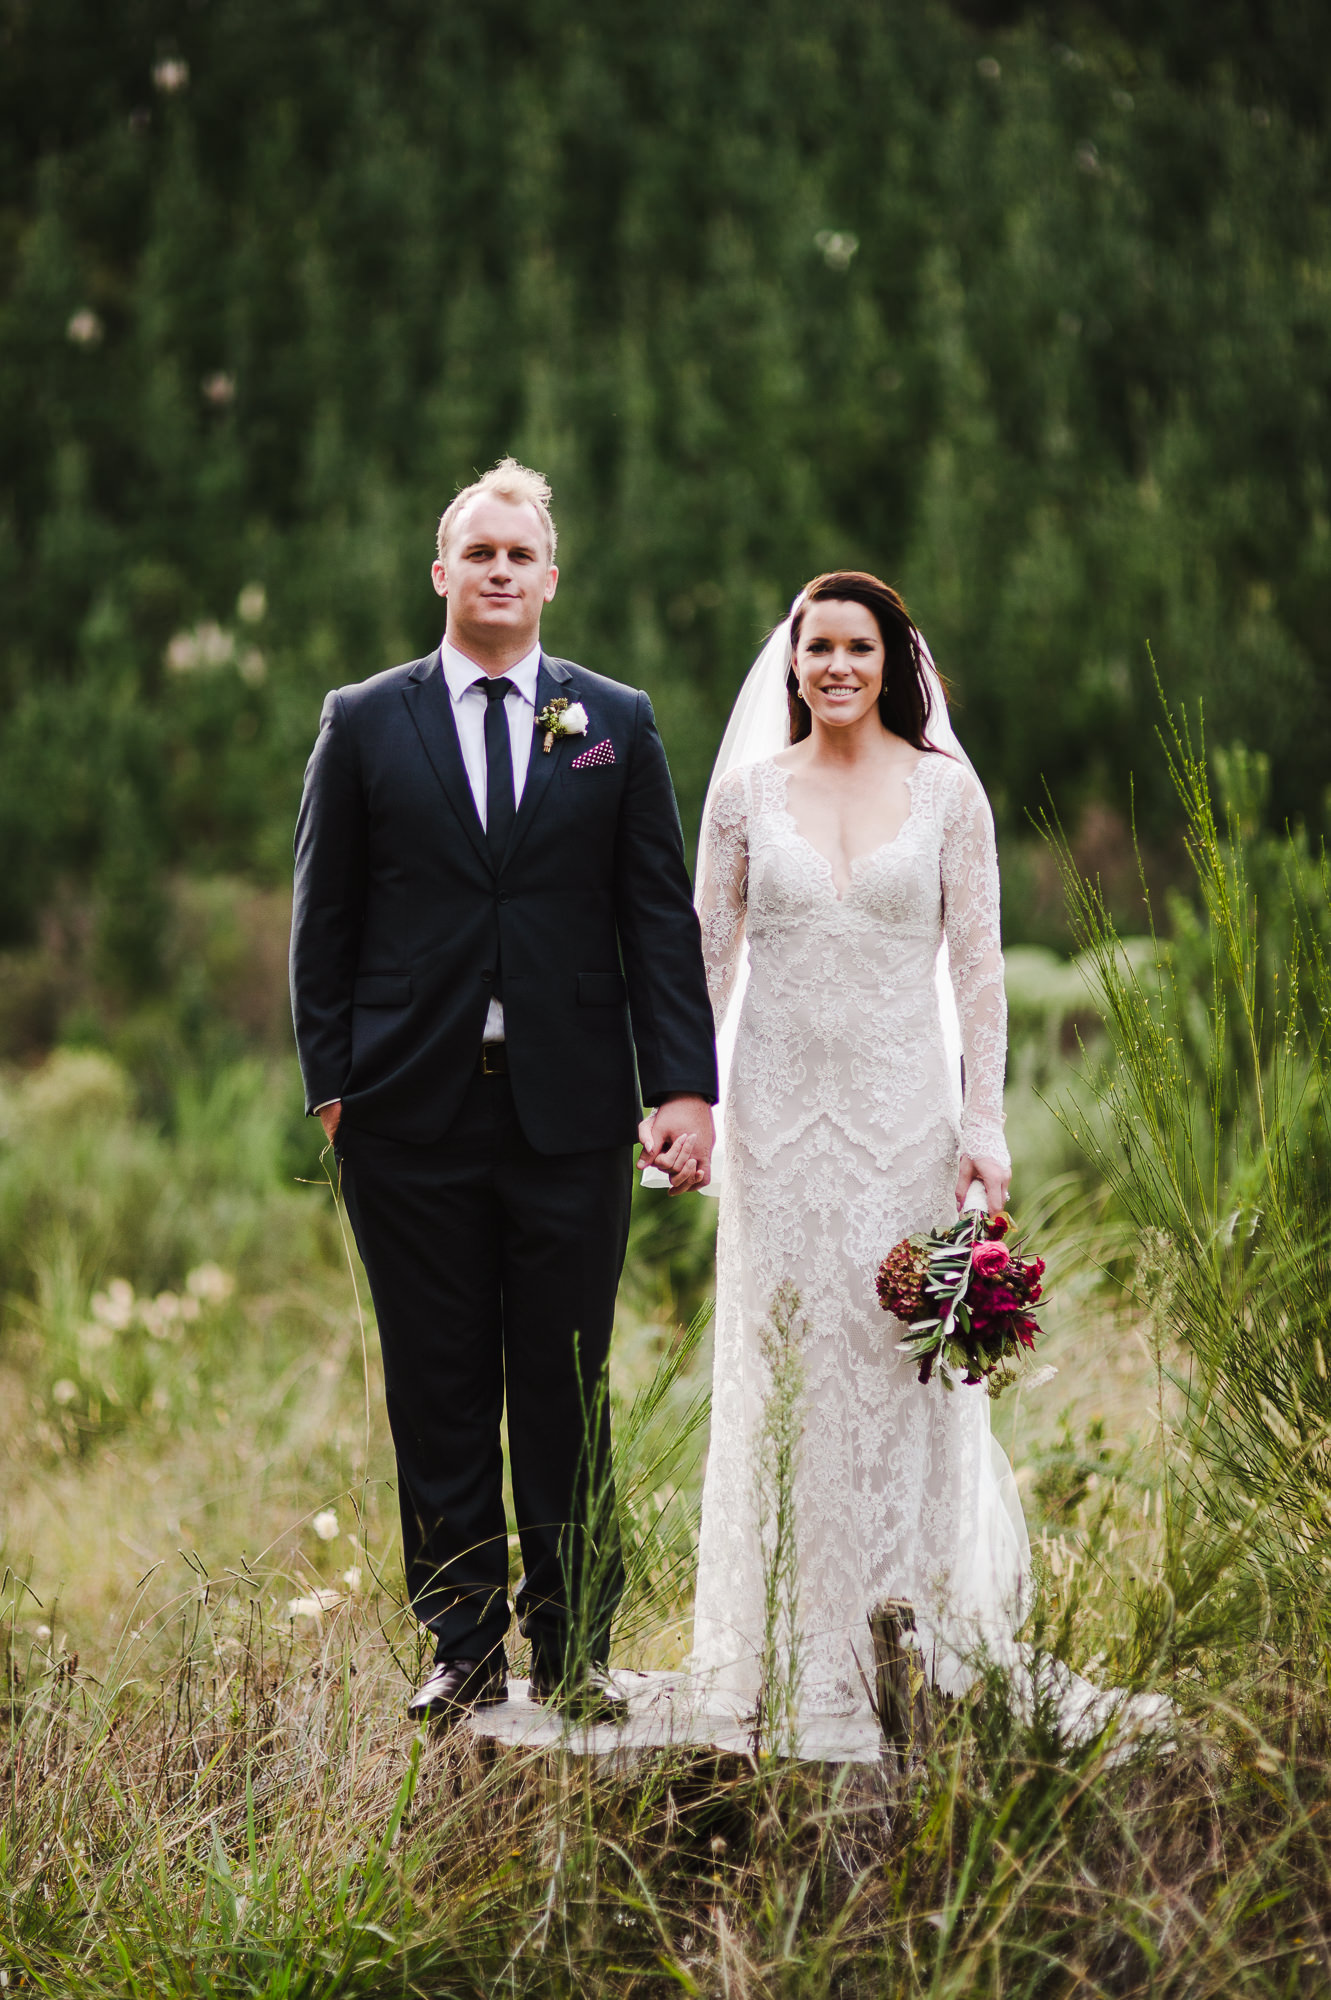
column 1214, row 1141
column 251, row 1817
column 775, row 1475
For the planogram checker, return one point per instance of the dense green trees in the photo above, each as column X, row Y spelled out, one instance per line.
column 1041, row 331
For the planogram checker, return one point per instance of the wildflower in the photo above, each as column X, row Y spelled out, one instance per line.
column 85, row 329
column 325, row 1525
column 114, row 1308
column 314, row 1605
column 838, row 247
column 210, row 1284
column 204, row 647
column 161, row 1316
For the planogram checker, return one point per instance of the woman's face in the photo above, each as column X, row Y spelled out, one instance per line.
column 839, row 662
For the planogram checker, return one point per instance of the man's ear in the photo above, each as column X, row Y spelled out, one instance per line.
column 551, row 583
column 439, row 578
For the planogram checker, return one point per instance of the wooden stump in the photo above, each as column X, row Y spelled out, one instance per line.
column 901, row 1689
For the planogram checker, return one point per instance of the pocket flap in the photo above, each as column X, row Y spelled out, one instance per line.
column 601, row 989
column 382, row 989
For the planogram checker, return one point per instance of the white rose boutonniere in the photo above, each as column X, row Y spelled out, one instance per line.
column 561, row 717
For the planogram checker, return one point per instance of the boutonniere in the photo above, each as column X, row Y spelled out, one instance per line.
column 561, row 717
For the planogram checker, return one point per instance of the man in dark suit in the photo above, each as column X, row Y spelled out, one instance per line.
column 492, row 922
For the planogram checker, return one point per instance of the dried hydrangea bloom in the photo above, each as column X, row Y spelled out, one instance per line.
column 901, row 1277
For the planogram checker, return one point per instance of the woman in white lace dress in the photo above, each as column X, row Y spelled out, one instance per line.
column 842, row 863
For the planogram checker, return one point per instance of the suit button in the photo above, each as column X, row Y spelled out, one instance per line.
column 487, row 977
column 503, row 899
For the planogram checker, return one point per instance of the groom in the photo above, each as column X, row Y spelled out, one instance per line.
column 494, row 961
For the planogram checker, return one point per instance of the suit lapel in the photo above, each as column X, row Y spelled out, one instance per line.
column 540, row 768
column 430, row 706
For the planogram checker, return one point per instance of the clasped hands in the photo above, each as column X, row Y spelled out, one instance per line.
column 678, row 1138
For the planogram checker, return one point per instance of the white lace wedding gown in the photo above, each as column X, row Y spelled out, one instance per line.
column 840, row 1138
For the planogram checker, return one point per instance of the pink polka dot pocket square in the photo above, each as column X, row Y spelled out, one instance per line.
column 591, row 760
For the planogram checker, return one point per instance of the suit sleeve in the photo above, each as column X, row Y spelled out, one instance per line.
column 328, row 907
column 659, row 939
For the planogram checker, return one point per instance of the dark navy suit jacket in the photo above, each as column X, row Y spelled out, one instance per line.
column 402, row 921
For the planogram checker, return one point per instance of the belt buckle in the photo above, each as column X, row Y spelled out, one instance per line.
column 492, row 1059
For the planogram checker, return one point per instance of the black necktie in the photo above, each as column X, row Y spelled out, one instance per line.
column 499, row 808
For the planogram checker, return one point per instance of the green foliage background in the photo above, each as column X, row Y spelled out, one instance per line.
column 1030, row 312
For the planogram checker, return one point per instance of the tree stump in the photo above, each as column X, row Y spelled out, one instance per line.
column 901, row 1688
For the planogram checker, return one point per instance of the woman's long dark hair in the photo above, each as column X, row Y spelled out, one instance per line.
column 904, row 704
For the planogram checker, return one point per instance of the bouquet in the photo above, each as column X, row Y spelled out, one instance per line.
column 967, row 1297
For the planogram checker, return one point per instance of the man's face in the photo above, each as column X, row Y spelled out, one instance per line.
column 495, row 573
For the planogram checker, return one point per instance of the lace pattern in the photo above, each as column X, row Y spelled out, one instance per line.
column 840, row 1139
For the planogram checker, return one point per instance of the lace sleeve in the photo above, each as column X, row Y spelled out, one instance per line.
column 970, row 923
column 723, row 888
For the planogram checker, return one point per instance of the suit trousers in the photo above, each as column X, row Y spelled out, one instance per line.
column 493, row 1270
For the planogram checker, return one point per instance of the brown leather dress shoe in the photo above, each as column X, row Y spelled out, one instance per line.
column 455, row 1687
column 586, row 1695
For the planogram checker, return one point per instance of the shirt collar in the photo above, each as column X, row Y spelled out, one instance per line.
column 461, row 673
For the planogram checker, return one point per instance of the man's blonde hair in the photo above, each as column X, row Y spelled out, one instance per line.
column 507, row 481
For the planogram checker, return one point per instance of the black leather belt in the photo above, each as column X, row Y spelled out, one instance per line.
column 493, row 1059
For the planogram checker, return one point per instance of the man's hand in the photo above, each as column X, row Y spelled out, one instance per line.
column 996, row 1179
column 678, row 1138
column 330, row 1117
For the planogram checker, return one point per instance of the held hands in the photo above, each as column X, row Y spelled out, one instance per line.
column 330, row 1117
column 996, row 1180
column 678, row 1138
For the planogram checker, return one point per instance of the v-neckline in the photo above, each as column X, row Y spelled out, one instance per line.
column 837, row 895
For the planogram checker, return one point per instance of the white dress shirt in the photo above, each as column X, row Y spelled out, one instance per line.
column 463, row 677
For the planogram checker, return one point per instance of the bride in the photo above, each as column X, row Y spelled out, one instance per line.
column 848, row 892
